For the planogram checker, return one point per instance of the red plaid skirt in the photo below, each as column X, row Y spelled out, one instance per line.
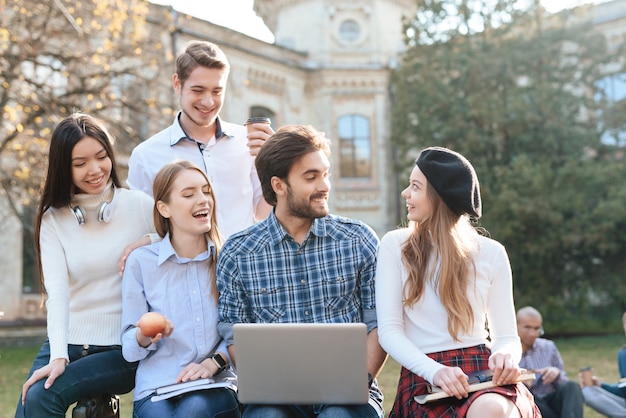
column 469, row 359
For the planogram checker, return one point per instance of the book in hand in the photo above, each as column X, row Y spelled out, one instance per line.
column 477, row 380
column 226, row 379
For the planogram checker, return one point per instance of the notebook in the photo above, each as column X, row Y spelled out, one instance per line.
column 225, row 379
column 301, row 363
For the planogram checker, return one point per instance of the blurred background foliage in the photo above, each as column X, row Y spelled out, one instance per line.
column 529, row 98
column 524, row 96
column 59, row 57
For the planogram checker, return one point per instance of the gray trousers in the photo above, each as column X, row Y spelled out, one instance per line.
column 605, row 402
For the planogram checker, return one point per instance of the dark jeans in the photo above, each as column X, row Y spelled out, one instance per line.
column 92, row 370
column 566, row 402
column 293, row 411
column 212, row 403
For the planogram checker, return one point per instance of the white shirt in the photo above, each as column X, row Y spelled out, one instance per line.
column 226, row 160
column 408, row 334
column 80, row 271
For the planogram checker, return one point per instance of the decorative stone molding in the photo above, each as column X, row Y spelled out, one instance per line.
column 265, row 81
column 31, row 308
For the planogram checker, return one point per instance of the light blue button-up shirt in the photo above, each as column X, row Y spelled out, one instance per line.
column 543, row 353
column 156, row 279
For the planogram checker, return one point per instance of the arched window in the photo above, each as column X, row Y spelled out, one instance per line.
column 354, row 146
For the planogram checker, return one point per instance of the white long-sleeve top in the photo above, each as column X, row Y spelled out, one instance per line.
column 408, row 334
column 80, row 270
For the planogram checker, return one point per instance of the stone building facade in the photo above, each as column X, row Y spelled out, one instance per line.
column 329, row 67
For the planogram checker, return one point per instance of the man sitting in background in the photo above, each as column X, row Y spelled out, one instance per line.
column 606, row 398
column 555, row 396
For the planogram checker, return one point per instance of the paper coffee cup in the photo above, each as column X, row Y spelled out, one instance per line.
column 251, row 121
column 587, row 376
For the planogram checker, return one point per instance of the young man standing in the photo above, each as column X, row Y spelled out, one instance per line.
column 555, row 396
column 200, row 136
column 301, row 264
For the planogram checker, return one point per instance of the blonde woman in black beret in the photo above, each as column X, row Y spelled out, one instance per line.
column 438, row 282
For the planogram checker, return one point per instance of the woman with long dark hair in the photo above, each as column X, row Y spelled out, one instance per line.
column 84, row 221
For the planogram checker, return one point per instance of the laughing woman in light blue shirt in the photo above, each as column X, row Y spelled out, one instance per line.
column 176, row 278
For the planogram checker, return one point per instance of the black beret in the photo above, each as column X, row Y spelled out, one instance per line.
column 454, row 179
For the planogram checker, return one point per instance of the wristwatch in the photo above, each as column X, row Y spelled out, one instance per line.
column 219, row 361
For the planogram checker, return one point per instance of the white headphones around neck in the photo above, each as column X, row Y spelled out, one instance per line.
column 104, row 211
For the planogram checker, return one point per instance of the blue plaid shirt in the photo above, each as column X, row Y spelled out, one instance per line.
column 263, row 275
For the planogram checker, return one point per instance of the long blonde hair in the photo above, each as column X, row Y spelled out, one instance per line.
column 162, row 189
column 452, row 240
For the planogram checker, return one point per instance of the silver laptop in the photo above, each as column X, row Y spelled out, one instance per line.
column 301, row 364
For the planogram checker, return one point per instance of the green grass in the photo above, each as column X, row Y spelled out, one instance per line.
column 597, row 352
column 14, row 366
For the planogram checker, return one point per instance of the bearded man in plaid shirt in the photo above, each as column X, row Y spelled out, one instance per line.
column 301, row 264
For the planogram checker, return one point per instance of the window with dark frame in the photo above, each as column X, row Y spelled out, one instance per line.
column 354, row 146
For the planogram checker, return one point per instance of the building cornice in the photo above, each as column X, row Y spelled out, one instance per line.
column 179, row 23
column 269, row 10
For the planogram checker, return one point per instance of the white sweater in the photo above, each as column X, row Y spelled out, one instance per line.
column 80, row 268
column 409, row 334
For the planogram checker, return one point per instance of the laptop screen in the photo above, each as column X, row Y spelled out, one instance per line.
column 301, row 364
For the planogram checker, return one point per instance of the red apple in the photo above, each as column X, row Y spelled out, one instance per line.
column 151, row 323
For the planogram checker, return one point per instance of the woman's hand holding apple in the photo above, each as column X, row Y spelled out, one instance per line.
column 151, row 327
